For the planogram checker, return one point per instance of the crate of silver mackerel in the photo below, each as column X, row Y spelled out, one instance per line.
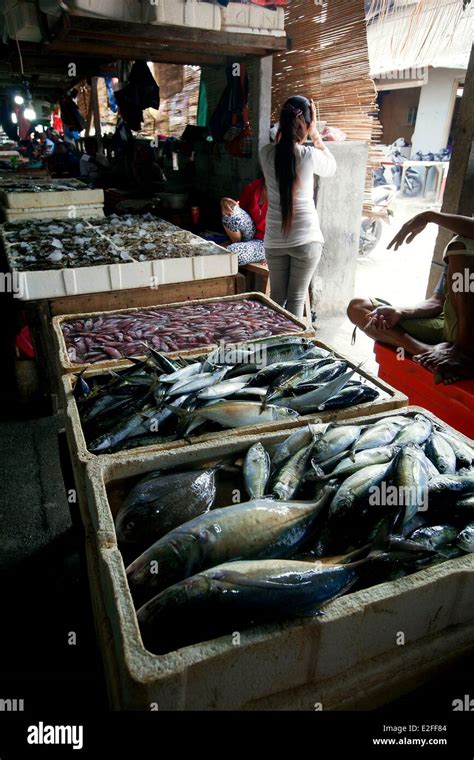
column 279, row 570
column 162, row 403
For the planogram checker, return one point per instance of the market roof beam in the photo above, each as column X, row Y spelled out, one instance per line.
column 133, row 35
column 121, row 51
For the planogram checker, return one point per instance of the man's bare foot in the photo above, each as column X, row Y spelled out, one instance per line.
column 448, row 362
column 433, row 355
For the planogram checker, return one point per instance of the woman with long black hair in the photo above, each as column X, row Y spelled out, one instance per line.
column 293, row 239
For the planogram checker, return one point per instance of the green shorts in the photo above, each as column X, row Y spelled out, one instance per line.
column 429, row 330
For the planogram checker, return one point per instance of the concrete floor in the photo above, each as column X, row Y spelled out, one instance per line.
column 399, row 278
column 46, row 590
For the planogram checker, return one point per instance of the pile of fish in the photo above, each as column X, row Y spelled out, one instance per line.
column 159, row 400
column 64, row 243
column 332, row 508
column 37, row 185
column 166, row 328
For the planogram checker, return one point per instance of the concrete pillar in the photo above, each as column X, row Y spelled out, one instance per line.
column 339, row 205
column 262, row 116
column 459, row 192
column 435, row 110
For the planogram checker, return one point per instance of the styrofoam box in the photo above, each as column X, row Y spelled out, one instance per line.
column 77, row 197
column 21, row 20
column 81, row 211
column 190, row 13
column 54, row 283
column 118, row 10
column 253, row 19
column 346, row 659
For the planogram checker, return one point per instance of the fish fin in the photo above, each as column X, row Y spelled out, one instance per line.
column 382, row 536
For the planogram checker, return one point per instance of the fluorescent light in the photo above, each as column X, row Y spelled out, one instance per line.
column 29, row 114
column 19, row 100
column 460, row 92
column 14, row 119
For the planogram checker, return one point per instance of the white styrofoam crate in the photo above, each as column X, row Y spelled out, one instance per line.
column 21, row 20
column 347, row 658
column 55, row 283
column 118, row 10
column 74, row 197
column 190, row 13
column 82, row 211
column 253, row 19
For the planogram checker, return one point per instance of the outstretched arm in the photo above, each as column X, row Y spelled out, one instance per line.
column 460, row 225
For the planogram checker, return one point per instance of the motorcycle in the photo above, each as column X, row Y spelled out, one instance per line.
column 412, row 185
column 371, row 227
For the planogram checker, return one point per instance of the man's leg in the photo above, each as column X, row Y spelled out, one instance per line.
column 359, row 311
column 279, row 268
column 455, row 361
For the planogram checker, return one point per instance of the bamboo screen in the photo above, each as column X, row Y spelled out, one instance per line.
column 329, row 62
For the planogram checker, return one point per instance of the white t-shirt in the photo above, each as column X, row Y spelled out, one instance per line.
column 305, row 227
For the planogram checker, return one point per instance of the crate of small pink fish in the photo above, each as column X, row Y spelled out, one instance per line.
column 113, row 338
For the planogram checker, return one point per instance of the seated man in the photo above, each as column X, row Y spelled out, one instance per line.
column 438, row 332
column 244, row 221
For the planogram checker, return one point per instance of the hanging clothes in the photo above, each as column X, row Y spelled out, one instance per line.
column 141, row 91
column 111, row 95
column 70, row 113
column 228, row 119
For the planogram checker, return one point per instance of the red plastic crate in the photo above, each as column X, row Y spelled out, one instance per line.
column 452, row 403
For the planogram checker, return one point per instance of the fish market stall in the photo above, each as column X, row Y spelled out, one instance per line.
column 27, row 198
column 69, row 257
column 376, row 568
column 61, row 266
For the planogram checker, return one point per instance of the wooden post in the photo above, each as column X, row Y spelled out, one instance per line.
column 459, row 192
column 96, row 112
column 89, row 115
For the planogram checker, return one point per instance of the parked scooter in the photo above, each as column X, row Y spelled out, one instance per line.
column 371, row 227
column 412, row 184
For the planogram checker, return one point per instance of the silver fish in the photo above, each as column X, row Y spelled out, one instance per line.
column 465, row 539
column 435, row 536
column 309, row 402
column 233, row 414
column 441, row 453
column 160, row 502
column 464, row 452
column 181, row 374
column 417, row 432
column 288, row 478
column 349, row 465
column 232, row 595
column 357, row 486
column 257, row 529
column 221, row 390
column 256, row 470
column 336, row 439
column 296, row 441
column 411, row 478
